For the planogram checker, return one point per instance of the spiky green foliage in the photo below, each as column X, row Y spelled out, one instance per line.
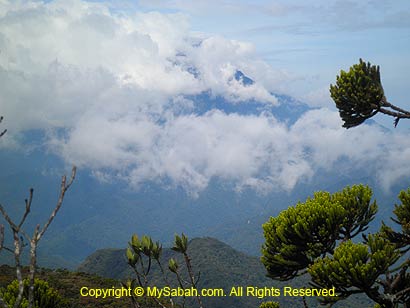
column 269, row 305
column 355, row 266
column 351, row 267
column 44, row 296
column 180, row 243
column 141, row 254
column 402, row 212
column 302, row 233
column 358, row 93
column 145, row 247
column 356, row 201
column 173, row 265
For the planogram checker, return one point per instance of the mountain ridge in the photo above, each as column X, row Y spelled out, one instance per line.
column 219, row 265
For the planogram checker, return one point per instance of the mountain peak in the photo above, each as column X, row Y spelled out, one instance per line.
column 246, row 81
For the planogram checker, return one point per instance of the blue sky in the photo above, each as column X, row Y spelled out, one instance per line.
column 110, row 84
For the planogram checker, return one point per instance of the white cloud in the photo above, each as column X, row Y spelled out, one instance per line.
column 249, row 151
column 64, row 56
column 318, row 97
column 111, row 92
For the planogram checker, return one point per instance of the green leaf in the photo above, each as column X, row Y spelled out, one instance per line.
column 358, row 94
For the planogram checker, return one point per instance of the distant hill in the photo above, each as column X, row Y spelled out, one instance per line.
column 220, row 266
column 97, row 215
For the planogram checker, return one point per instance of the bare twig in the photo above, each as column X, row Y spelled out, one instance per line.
column 4, row 131
column 13, row 226
column 165, row 280
column 144, row 272
column 192, row 277
column 398, row 112
column 182, row 287
column 387, row 104
column 304, row 302
column 8, row 219
column 198, row 277
column 395, row 114
column 64, row 188
column 135, row 304
column 2, row 241
column 402, row 293
column 38, row 234
column 18, row 240
column 1, row 236
column 28, row 205
column 138, row 276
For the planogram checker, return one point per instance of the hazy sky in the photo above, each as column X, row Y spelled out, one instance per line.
column 109, row 84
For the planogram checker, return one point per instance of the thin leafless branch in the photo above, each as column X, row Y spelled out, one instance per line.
column 191, row 276
column 28, row 206
column 18, row 240
column 1, row 236
column 387, row 104
column 4, row 131
column 64, row 188
column 2, row 241
column 13, row 226
column 8, row 219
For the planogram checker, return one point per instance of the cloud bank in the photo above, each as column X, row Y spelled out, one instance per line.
column 114, row 92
